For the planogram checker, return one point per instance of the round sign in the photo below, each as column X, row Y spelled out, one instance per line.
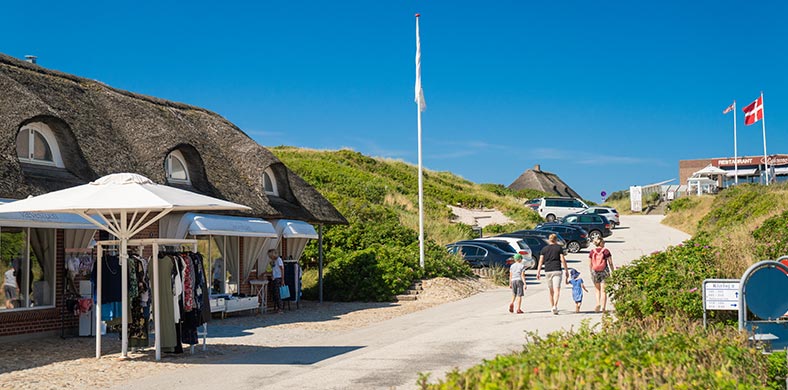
column 604, row 194
column 766, row 292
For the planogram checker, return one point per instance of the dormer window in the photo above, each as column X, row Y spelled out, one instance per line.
column 36, row 144
column 177, row 170
column 269, row 183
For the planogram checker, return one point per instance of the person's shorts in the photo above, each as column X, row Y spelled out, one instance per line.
column 10, row 293
column 518, row 288
column 553, row 278
column 599, row 276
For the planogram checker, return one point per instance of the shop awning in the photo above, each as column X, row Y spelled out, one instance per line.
column 743, row 172
column 781, row 171
column 295, row 229
column 224, row 225
column 43, row 220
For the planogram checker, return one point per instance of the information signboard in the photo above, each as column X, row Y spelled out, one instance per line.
column 721, row 294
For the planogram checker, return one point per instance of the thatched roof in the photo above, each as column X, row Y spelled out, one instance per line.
column 537, row 179
column 102, row 130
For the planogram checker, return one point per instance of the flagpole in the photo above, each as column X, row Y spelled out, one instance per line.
column 735, row 151
column 763, row 123
column 419, row 109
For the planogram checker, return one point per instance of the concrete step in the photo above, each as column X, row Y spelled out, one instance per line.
column 406, row 297
column 412, row 292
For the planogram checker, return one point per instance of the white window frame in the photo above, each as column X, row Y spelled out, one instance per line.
column 176, row 154
column 270, row 174
column 49, row 137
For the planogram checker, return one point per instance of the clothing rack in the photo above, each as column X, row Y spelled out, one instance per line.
column 155, row 243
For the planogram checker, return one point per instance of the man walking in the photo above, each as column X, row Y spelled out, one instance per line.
column 278, row 272
column 552, row 257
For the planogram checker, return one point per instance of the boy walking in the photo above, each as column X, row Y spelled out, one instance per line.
column 517, row 283
column 577, row 288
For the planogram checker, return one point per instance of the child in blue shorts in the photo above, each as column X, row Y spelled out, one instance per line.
column 577, row 288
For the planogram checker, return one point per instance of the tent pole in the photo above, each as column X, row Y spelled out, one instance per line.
column 124, row 285
column 320, row 261
column 156, row 310
column 99, row 255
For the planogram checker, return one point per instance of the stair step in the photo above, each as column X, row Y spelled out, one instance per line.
column 406, row 297
column 411, row 292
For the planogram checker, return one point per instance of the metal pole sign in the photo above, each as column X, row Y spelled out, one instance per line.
column 720, row 294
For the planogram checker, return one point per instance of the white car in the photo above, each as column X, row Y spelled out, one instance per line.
column 608, row 212
column 552, row 209
column 516, row 245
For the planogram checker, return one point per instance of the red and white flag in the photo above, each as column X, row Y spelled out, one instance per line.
column 753, row 112
column 730, row 108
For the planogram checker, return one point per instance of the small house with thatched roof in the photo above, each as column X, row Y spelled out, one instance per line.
column 537, row 179
column 58, row 130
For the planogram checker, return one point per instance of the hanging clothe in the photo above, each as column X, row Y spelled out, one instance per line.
column 138, row 286
column 165, row 302
column 110, row 280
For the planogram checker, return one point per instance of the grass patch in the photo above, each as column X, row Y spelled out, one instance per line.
column 638, row 354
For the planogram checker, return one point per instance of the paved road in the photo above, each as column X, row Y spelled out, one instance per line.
column 390, row 354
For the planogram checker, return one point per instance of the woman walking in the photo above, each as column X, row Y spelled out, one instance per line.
column 601, row 266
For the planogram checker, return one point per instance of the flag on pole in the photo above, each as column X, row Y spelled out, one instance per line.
column 730, row 108
column 753, row 112
column 419, row 92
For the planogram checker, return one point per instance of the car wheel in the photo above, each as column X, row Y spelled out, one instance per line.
column 550, row 218
column 594, row 234
column 573, row 247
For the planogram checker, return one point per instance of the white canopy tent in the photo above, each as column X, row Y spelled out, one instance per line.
column 709, row 171
column 257, row 235
column 126, row 203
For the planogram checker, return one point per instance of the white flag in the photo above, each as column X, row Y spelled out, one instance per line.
column 419, row 92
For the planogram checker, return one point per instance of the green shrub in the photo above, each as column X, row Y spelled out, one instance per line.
column 737, row 205
column 680, row 204
column 649, row 354
column 777, row 371
column 440, row 263
column 377, row 273
column 771, row 238
column 618, row 195
column 664, row 283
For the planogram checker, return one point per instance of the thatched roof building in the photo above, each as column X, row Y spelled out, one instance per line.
column 536, row 179
column 97, row 130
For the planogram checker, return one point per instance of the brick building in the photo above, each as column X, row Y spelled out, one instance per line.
column 751, row 169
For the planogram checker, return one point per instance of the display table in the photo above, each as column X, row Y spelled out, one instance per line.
column 240, row 304
column 260, row 289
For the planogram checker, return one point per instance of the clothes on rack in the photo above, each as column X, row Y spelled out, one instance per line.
column 139, row 286
column 110, row 280
column 184, row 299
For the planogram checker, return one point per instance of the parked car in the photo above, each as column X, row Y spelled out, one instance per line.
column 515, row 244
column 535, row 232
column 536, row 240
column 595, row 225
column 610, row 213
column 533, row 203
column 576, row 237
column 480, row 254
column 552, row 209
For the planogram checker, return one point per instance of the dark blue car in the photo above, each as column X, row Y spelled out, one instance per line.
column 481, row 254
column 576, row 237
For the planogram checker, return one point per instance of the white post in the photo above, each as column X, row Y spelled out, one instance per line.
column 99, row 255
column 419, row 109
column 735, row 150
column 124, row 284
column 156, row 310
column 765, row 156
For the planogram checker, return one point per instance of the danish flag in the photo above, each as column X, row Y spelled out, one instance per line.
column 730, row 108
column 753, row 112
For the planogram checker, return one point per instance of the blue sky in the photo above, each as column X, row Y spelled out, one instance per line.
column 605, row 94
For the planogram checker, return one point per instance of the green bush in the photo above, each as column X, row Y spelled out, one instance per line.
column 440, row 263
column 737, row 205
column 680, row 204
column 777, row 371
column 377, row 273
column 771, row 238
column 664, row 283
column 650, row 354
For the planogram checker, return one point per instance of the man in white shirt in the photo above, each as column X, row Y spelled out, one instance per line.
column 278, row 272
